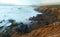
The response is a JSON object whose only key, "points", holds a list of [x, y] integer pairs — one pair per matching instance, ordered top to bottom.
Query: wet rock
{"points": [[46, 18], [23, 28]]}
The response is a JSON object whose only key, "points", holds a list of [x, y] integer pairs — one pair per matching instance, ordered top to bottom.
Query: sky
{"points": [[20, 2], [28, 2]]}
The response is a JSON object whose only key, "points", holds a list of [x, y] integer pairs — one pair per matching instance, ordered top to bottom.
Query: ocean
{"points": [[17, 13]]}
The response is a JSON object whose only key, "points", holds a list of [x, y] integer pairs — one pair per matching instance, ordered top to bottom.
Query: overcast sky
{"points": [[28, 2]]}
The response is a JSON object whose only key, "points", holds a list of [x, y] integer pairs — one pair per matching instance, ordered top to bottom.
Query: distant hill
{"points": [[43, 4]]}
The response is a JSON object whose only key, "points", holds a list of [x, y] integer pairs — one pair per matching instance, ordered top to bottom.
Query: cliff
{"points": [[45, 25], [48, 29], [52, 30]]}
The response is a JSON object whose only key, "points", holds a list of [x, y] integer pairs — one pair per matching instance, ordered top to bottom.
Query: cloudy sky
{"points": [[28, 2]]}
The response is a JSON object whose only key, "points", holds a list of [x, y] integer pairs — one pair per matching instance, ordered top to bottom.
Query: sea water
{"points": [[17, 13]]}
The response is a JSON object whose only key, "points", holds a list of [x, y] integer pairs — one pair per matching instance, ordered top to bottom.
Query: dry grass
{"points": [[51, 9], [52, 30]]}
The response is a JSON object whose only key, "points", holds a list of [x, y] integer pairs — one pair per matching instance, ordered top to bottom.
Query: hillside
{"points": [[54, 8], [47, 30], [52, 30]]}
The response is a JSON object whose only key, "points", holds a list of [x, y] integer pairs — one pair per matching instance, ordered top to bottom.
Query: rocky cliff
{"points": [[50, 19], [45, 25]]}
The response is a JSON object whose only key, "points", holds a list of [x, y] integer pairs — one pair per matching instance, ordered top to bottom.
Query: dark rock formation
{"points": [[43, 20]]}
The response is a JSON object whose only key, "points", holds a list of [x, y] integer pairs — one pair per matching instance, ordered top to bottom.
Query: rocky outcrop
{"points": [[44, 9], [43, 20], [45, 25], [52, 30]]}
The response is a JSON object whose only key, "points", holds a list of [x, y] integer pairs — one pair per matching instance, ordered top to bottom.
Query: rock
{"points": [[52, 30]]}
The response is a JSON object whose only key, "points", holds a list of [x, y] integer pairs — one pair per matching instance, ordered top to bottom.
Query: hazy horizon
{"points": [[29, 2]]}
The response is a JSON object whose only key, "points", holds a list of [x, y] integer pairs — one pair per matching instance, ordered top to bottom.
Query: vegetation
{"points": [[52, 30]]}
